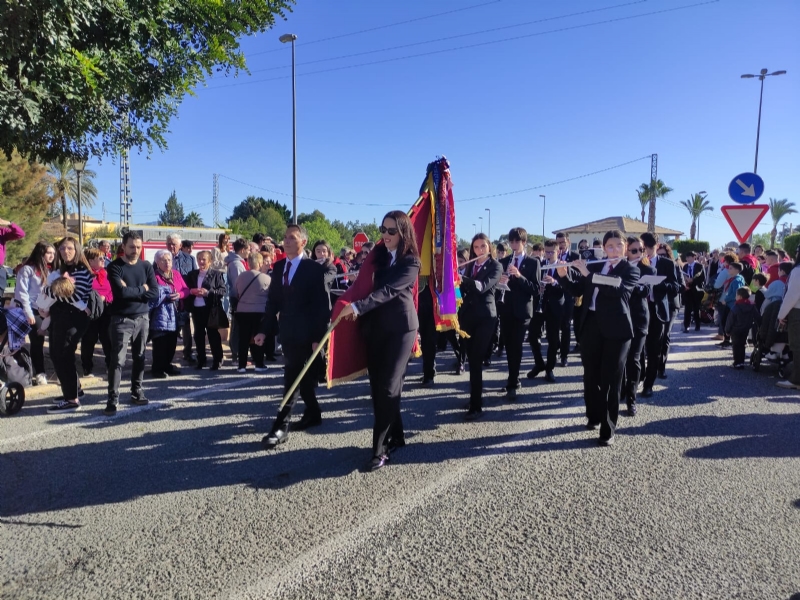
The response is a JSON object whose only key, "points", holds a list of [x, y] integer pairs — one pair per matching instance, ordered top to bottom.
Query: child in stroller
{"points": [[772, 344], [16, 370]]}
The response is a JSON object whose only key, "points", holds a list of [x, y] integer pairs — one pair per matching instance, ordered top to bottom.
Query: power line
{"points": [[342, 35], [452, 37], [476, 45]]}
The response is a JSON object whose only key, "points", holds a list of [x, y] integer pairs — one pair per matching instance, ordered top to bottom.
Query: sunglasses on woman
{"points": [[389, 230], [634, 250], [661, 254]]}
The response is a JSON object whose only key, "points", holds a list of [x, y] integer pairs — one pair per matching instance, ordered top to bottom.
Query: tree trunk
{"points": [[64, 212], [643, 219], [693, 230], [772, 235]]}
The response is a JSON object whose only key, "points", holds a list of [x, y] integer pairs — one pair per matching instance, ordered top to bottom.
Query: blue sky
{"points": [[510, 115]]}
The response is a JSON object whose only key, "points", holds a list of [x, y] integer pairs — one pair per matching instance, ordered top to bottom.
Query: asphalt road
{"points": [[699, 498]]}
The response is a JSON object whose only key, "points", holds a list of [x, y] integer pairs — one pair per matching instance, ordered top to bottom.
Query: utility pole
{"points": [[216, 199], [651, 217]]}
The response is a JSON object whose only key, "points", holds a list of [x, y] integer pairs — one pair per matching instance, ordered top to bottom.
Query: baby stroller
{"points": [[772, 345], [16, 370]]}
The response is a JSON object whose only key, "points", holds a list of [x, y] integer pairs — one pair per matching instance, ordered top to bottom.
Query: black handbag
{"points": [[217, 318]]}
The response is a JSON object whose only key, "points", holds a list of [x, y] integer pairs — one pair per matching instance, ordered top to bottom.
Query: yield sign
{"points": [[743, 218]]}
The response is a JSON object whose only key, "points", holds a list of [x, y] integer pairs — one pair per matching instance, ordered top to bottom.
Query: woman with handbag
{"points": [[207, 289], [252, 289], [165, 314]]}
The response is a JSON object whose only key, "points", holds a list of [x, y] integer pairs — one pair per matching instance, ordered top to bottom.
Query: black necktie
{"points": [[286, 273]]}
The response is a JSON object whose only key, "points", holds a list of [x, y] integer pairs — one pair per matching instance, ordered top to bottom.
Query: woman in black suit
{"points": [[206, 288], [478, 315], [640, 319], [389, 324], [606, 329]]}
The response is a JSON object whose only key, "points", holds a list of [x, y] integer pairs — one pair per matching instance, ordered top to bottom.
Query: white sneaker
{"points": [[771, 356], [241, 370], [40, 379], [787, 385]]}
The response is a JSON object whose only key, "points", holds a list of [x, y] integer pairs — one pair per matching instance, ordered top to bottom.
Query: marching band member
{"points": [[567, 255], [478, 315], [553, 316], [640, 318], [390, 326], [605, 328]]}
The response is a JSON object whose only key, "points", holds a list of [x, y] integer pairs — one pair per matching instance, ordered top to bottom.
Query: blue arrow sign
{"points": [[746, 188]]}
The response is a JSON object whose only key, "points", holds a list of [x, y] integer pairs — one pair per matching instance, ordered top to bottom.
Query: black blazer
{"points": [[697, 280], [214, 282], [666, 290], [554, 296], [675, 299], [519, 300], [304, 304], [479, 304], [612, 305], [390, 306], [640, 313]]}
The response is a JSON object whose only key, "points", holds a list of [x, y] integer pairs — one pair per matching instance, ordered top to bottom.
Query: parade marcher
{"points": [[664, 251], [565, 254], [521, 276], [30, 280], [695, 280], [133, 284], [252, 289], [206, 291], [298, 292], [165, 315], [478, 315], [552, 315], [69, 319], [640, 320], [389, 324], [98, 329], [606, 330]]}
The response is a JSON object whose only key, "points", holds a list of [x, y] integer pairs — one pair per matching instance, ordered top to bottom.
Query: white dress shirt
{"points": [[295, 262], [605, 271], [200, 300]]}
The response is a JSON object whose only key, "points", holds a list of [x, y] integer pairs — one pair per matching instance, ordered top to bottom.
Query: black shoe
{"points": [[697, 328], [685, 330], [725, 344], [499, 352], [270, 358], [190, 360], [487, 362], [563, 362], [201, 364], [215, 365], [460, 369], [172, 370], [534, 372], [662, 374], [158, 375], [550, 377], [427, 382], [647, 392], [511, 394], [61, 398], [138, 398], [631, 408], [110, 409], [473, 415], [306, 422], [592, 426], [275, 438], [606, 441], [393, 444], [378, 462]]}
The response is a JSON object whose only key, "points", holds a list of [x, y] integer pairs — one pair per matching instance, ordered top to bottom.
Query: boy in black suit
{"points": [[565, 254], [521, 275], [695, 279], [299, 292], [552, 312]]}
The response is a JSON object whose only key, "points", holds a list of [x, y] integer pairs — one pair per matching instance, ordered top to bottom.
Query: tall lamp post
{"points": [[286, 38], [763, 75], [78, 165], [544, 206], [489, 210], [698, 216], [481, 220], [474, 229]]}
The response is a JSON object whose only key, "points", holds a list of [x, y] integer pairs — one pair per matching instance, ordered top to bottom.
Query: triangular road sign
{"points": [[743, 219]]}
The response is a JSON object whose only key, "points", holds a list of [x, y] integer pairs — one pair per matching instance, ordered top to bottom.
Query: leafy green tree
{"points": [[82, 77], [62, 180], [643, 195], [24, 200], [253, 205], [696, 205], [778, 209], [172, 215], [303, 218], [193, 219], [269, 222], [321, 229], [371, 229], [763, 239]]}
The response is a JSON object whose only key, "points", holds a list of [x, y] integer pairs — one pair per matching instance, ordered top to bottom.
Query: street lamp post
{"points": [[286, 38], [763, 75], [78, 165], [544, 206], [489, 210], [698, 216], [481, 220], [474, 229]]}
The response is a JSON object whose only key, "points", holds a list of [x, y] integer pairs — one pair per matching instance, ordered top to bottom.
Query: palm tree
{"points": [[62, 182], [646, 191], [644, 198], [696, 205], [777, 210], [193, 220]]}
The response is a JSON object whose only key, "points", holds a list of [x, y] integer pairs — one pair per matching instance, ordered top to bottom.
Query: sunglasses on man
{"points": [[389, 230]]}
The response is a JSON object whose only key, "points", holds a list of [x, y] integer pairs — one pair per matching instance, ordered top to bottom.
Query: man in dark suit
{"points": [[565, 254], [521, 275], [693, 291], [299, 293], [659, 307], [674, 307], [551, 314], [640, 320]]}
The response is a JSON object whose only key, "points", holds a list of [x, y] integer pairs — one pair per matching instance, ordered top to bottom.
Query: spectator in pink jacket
{"points": [[8, 233], [99, 327]]}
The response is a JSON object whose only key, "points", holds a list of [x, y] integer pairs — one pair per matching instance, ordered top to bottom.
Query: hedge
{"points": [[790, 243], [683, 246]]}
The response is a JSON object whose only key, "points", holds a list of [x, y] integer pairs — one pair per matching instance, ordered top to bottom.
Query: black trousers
{"points": [[691, 308], [568, 311], [200, 320], [248, 325], [67, 326], [97, 329], [514, 331], [553, 331], [427, 333], [186, 334], [655, 338], [666, 340], [455, 342], [738, 342], [164, 344], [37, 346], [476, 346], [296, 356], [387, 359], [634, 364], [603, 368]]}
